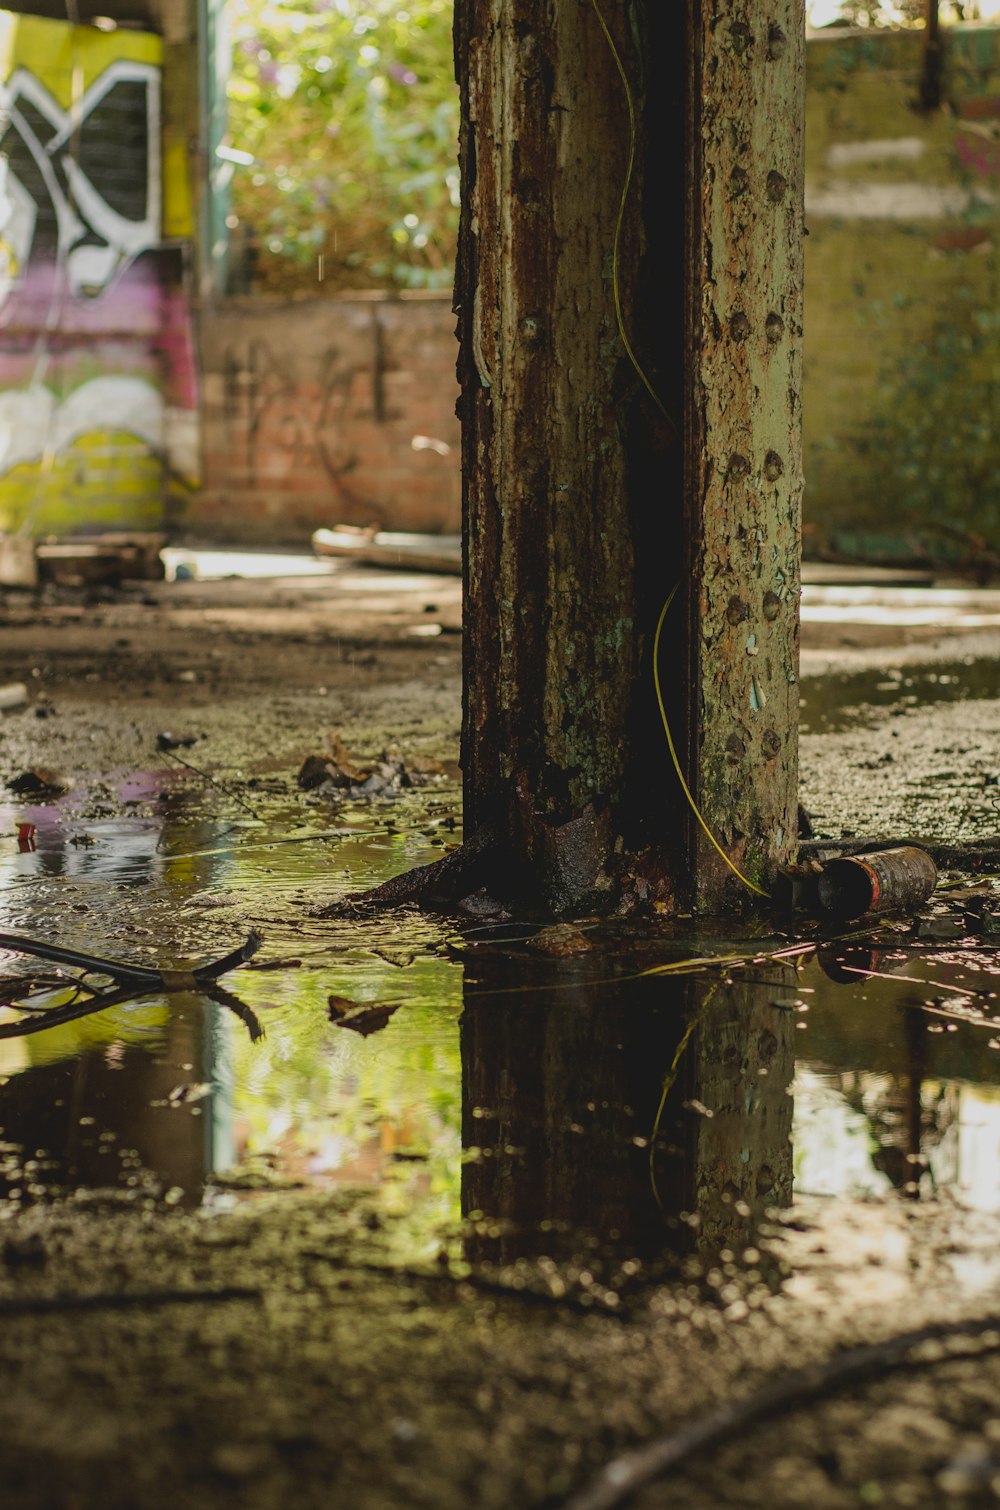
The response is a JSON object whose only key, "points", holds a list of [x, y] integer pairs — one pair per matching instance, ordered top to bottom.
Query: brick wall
{"points": [[311, 409], [322, 412]]}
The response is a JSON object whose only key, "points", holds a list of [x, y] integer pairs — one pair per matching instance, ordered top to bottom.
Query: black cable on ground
{"points": [[138, 976], [627, 1474]]}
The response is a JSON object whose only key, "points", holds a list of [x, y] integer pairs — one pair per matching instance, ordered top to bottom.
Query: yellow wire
{"points": [[615, 280], [616, 285], [750, 885], [769, 957], [676, 967], [668, 1082]]}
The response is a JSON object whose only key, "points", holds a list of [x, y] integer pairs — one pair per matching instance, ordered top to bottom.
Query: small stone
{"points": [[560, 940], [26, 1252], [237, 1460]]}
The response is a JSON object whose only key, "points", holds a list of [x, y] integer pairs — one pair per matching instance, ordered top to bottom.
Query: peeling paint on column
{"points": [[744, 449], [576, 513]]}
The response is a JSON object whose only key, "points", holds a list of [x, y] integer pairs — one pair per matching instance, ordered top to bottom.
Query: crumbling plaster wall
{"points": [[902, 313], [902, 339], [318, 411]]}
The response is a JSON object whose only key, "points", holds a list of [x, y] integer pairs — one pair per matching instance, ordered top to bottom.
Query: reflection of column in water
{"points": [[736, 1083], [560, 1088], [563, 1091], [83, 1112], [909, 1119], [220, 1135]]}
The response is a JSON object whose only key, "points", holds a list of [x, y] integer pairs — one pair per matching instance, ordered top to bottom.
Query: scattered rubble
{"points": [[338, 773]]}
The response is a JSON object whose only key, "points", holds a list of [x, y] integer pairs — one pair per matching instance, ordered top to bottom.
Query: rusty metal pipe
{"points": [[890, 880]]}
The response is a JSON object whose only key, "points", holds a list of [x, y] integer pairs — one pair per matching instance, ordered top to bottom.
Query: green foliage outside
{"points": [[891, 13], [349, 110]]}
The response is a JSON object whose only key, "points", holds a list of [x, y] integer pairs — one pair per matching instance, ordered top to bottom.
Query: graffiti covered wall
{"points": [[98, 394]]}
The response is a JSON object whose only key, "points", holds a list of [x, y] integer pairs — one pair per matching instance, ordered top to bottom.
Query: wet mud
{"points": [[418, 1211]]}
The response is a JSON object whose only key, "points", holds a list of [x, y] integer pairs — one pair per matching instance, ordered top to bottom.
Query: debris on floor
{"points": [[393, 550], [101, 559], [18, 567], [337, 772], [898, 879], [555, 1192]]}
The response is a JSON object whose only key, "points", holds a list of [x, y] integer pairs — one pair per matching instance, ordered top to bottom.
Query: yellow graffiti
{"points": [[68, 59], [178, 210], [10, 263], [107, 477]]}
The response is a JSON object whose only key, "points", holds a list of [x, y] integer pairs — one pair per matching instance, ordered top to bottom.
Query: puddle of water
{"points": [[857, 699], [511, 1103]]}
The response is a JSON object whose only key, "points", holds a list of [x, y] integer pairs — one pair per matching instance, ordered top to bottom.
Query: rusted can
{"points": [[890, 880], [847, 964]]}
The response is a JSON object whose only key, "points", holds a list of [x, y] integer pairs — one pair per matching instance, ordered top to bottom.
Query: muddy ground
{"points": [[264, 1355]]}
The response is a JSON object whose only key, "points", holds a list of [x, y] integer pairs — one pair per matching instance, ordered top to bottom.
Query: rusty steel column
{"points": [[630, 424], [743, 432], [552, 637]]}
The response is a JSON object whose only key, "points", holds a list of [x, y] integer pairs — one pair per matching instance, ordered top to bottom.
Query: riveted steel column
{"points": [[743, 422]]}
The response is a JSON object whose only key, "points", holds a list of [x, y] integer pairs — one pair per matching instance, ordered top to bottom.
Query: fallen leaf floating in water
{"points": [[398, 958], [360, 1017]]}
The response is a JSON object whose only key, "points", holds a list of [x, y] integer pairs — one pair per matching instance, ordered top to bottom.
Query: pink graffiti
{"points": [[978, 156]]}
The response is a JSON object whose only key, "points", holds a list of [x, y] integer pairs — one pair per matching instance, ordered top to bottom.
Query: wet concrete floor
{"points": [[676, 1125]]}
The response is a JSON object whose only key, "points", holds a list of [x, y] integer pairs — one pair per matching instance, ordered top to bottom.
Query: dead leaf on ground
{"points": [[342, 759], [333, 769], [421, 770], [313, 772], [39, 781], [360, 1017]]}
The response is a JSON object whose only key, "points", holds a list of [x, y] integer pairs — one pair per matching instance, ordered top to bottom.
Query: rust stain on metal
{"points": [[746, 119]]}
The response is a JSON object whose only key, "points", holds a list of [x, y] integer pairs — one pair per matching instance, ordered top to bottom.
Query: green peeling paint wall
{"points": [[902, 302]]}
